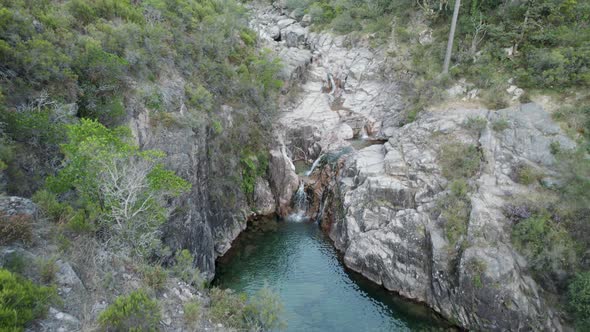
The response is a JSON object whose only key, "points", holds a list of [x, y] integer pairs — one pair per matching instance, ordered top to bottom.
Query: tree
{"points": [[451, 37], [125, 188]]}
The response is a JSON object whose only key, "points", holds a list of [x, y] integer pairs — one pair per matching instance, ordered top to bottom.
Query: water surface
{"points": [[298, 261]]}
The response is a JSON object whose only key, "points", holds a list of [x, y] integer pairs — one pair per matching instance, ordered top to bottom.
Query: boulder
{"points": [[264, 200], [13, 205]]}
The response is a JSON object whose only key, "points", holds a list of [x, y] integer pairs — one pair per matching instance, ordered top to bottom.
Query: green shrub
{"points": [[344, 23], [495, 98], [476, 124], [500, 125], [460, 160], [102, 166], [252, 167], [527, 175], [51, 207], [455, 208], [16, 228], [545, 243], [184, 269], [477, 269], [48, 270], [155, 277], [579, 300], [21, 301], [227, 307], [264, 310], [133, 312], [261, 312], [192, 313]]}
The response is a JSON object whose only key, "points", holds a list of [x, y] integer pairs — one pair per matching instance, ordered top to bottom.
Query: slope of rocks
{"points": [[379, 202]]}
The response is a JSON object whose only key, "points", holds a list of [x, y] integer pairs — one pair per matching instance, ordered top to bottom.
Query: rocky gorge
{"points": [[380, 203], [418, 207]]}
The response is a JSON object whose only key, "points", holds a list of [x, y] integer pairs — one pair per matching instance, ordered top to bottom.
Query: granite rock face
{"points": [[378, 202], [209, 217], [390, 231]]}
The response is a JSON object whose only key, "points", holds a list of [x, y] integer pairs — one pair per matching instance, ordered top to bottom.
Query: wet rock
{"points": [[283, 180], [263, 198]]}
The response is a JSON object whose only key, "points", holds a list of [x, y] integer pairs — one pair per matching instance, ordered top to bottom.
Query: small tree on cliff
{"points": [[121, 189]]}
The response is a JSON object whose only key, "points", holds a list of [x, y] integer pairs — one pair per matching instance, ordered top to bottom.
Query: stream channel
{"points": [[297, 260]]}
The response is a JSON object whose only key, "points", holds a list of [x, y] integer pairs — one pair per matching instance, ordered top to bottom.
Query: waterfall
{"points": [[363, 135], [314, 165], [300, 198], [300, 204]]}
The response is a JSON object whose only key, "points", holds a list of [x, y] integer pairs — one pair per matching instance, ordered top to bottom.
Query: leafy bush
{"points": [[495, 98], [476, 124], [500, 125], [460, 160], [252, 167], [526, 174], [131, 185], [51, 207], [455, 208], [15, 228], [545, 243], [184, 269], [477, 269], [47, 270], [155, 276], [579, 300], [21, 301], [227, 307], [133, 312], [262, 312], [192, 313]]}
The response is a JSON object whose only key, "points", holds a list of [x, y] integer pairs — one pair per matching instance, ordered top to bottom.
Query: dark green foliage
{"points": [[87, 52], [460, 160], [252, 167], [118, 188], [579, 300], [21, 301], [133, 312]]}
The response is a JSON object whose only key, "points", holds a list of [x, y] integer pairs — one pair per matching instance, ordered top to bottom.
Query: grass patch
{"points": [[459, 160]]}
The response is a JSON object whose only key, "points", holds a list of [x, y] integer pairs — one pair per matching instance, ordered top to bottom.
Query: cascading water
{"points": [[363, 134], [314, 165], [300, 204]]}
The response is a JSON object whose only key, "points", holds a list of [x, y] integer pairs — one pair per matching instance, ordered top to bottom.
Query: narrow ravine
{"points": [[298, 261]]}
